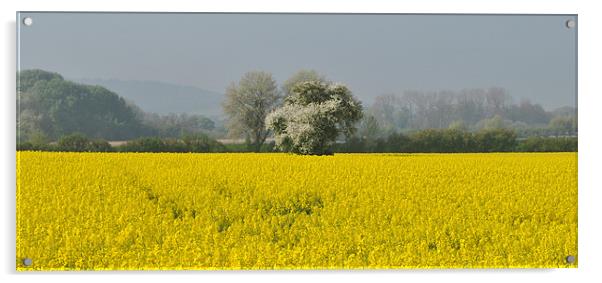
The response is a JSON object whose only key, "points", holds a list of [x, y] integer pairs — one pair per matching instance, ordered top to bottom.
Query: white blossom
{"points": [[308, 124]]}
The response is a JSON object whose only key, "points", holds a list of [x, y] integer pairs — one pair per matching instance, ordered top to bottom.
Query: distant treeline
{"points": [[50, 107], [470, 109], [425, 141], [457, 141], [80, 143]]}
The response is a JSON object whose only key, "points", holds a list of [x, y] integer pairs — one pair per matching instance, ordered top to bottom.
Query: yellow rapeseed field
{"points": [[278, 211]]}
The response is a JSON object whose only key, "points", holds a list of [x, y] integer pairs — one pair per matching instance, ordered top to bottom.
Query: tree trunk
{"points": [[258, 141]]}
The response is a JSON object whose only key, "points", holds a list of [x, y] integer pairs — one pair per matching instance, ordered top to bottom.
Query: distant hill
{"points": [[163, 98], [51, 107]]}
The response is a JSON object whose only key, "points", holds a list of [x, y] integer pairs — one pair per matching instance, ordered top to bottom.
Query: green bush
{"points": [[431, 140], [455, 140], [498, 140], [73, 142], [77, 142], [188, 143], [201, 143], [148, 144], [548, 144], [25, 146], [99, 146], [245, 147]]}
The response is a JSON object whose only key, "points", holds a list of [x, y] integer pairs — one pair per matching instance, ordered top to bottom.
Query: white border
{"points": [[590, 85]]}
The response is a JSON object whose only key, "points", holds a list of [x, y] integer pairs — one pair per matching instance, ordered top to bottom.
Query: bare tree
{"points": [[497, 100], [247, 104]]}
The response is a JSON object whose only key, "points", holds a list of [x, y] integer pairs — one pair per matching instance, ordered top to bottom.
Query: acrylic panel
{"points": [[193, 141]]}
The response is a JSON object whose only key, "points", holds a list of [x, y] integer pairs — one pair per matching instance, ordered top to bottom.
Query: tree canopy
{"points": [[301, 76], [247, 104], [51, 106], [313, 116]]}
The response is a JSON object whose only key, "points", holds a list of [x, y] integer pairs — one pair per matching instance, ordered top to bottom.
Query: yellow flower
{"points": [[279, 211]]}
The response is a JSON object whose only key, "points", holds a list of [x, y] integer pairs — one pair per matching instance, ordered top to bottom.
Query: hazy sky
{"points": [[533, 57]]}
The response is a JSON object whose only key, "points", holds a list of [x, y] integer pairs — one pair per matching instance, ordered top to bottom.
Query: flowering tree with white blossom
{"points": [[313, 116]]}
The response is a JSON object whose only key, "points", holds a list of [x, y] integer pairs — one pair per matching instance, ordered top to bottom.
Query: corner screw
{"points": [[28, 21], [570, 23], [570, 259], [27, 262]]}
